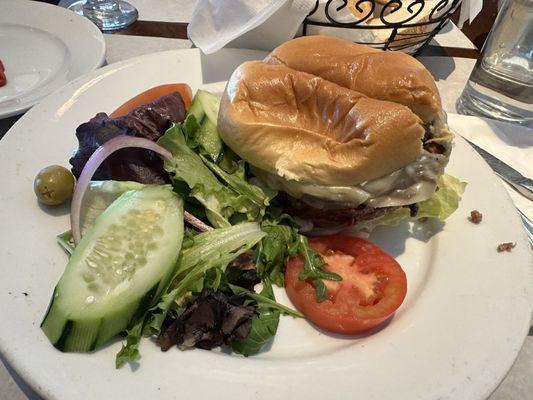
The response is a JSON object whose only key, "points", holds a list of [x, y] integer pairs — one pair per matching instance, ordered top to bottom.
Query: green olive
{"points": [[54, 185]]}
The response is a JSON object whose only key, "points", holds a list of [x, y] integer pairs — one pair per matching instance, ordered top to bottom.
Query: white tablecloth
{"points": [[449, 73]]}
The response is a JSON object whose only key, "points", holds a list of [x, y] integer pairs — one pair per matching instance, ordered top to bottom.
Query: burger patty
{"points": [[432, 146], [338, 216], [325, 218]]}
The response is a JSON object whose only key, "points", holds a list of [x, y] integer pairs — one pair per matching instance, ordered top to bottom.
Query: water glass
{"points": [[108, 15], [501, 84]]}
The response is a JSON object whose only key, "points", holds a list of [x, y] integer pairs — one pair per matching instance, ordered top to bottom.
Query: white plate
{"points": [[43, 47], [455, 337]]}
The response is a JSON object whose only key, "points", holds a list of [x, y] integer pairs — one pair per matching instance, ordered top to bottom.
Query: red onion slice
{"points": [[96, 159], [193, 221]]}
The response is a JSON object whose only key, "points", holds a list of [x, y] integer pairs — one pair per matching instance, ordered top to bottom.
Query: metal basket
{"points": [[385, 24]]}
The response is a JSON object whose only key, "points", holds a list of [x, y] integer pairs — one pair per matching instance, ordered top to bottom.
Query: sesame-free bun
{"points": [[383, 75], [309, 129]]}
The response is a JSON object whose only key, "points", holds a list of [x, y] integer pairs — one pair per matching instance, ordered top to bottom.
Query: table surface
{"points": [[161, 20]]}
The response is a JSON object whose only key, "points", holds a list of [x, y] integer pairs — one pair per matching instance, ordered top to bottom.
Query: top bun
{"points": [[383, 75], [308, 129]]}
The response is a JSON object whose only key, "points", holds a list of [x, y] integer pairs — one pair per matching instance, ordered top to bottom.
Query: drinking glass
{"points": [[108, 15], [501, 84]]}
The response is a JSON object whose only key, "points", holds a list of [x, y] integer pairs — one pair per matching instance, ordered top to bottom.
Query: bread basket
{"points": [[402, 25]]}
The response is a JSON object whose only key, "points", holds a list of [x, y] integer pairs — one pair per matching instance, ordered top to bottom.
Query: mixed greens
{"points": [[185, 287]]}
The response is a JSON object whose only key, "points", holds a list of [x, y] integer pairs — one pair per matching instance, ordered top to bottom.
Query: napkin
{"points": [[469, 10], [254, 24], [511, 143]]}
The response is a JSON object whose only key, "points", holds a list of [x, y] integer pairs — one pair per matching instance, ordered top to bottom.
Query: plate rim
{"points": [[84, 23]]}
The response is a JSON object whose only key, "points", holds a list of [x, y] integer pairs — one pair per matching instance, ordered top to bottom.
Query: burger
{"points": [[349, 135]]}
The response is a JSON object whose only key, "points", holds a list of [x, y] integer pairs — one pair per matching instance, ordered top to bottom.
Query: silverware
{"points": [[514, 178], [528, 225]]}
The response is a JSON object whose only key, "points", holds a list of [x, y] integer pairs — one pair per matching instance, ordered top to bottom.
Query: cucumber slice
{"points": [[205, 104], [210, 104], [205, 107], [196, 109], [208, 137], [99, 195], [118, 270]]}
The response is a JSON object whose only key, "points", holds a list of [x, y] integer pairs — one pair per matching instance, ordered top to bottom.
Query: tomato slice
{"points": [[152, 94], [373, 285]]}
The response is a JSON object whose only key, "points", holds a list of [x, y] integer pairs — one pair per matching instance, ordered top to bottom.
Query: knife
{"points": [[510, 175]]}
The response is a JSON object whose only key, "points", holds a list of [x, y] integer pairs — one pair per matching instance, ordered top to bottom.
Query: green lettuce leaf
{"points": [[186, 166], [237, 181], [445, 200], [225, 203], [441, 205], [205, 251], [202, 252], [153, 321], [130, 351]]}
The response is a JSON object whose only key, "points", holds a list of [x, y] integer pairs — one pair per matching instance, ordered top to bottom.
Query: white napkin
{"points": [[469, 10], [254, 24], [511, 143]]}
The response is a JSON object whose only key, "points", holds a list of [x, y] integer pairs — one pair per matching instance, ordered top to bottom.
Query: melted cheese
{"points": [[411, 184]]}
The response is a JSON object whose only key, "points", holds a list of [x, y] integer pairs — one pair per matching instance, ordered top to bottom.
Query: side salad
{"points": [[173, 237]]}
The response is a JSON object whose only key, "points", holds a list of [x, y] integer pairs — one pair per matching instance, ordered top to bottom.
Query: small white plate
{"points": [[42, 48], [457, 334]]}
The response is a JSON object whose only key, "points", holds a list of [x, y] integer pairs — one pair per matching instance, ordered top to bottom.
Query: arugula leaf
{"points": [[282, 241], [273, 249], [312, 269], [264, 300], [264, 326], [130, 351]]}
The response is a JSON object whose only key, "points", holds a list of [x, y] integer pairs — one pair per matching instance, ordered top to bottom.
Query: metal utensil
{"points": [[519, 182], [528, 225]]}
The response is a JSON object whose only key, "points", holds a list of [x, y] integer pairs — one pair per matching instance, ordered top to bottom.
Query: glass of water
{"points": [[108, 15], [501, 84]]}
